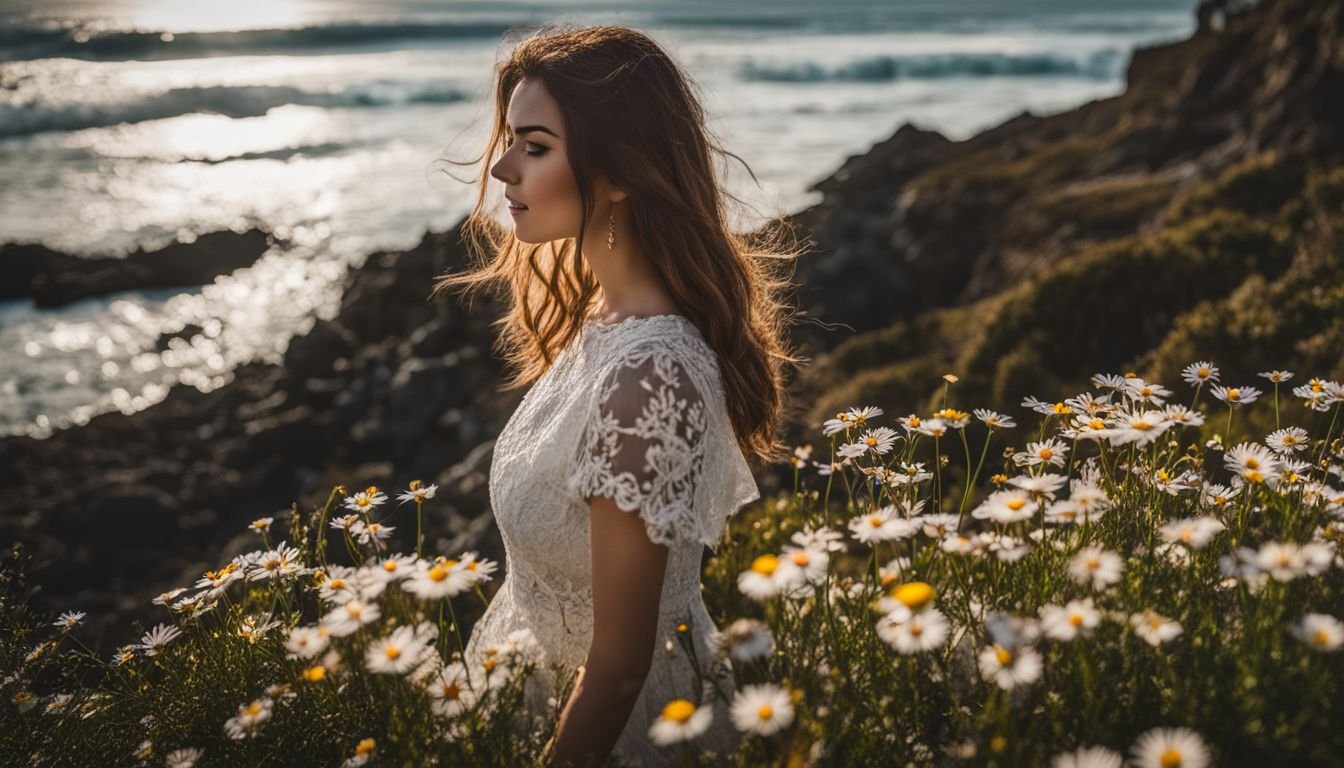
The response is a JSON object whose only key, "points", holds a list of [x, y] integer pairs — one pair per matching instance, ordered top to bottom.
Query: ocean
{"points": [[134, 124]]}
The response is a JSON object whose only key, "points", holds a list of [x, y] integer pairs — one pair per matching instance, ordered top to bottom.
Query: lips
{"points": [[514, 204]]}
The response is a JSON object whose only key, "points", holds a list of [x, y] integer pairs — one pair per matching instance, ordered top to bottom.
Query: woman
{"points": [[652, 338]]}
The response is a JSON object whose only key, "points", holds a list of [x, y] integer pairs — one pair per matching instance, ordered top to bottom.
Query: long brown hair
{"points": [[630, 113]]}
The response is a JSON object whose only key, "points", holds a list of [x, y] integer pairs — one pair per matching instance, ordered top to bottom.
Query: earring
{"points": [[611, 228]]}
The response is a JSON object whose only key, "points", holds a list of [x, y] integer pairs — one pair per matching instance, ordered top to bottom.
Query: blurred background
{"points": [[219, 225]]}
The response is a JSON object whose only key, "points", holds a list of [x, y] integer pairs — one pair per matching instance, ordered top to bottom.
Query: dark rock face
{"points": [[921, 222], [54, 278], [398, 387]]}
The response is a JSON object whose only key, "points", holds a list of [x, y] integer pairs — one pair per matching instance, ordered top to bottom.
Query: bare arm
{"points": [[627, 588]]}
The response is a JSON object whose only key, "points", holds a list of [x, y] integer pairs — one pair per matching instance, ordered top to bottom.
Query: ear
{"points": [[616, 194]]}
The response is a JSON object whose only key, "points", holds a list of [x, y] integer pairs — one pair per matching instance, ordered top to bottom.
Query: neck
{"points": [[630, 285]]}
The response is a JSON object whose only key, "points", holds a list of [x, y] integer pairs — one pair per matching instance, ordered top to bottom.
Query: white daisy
{"points": [[1200, 373], [1278, 377], [1141, 391], [1234, 396], [1179, 415], [994, 419], [1137, 427], [879, 440], [1287, 440], [1050, 451], [1253, 463], [418, 493], [1215, 495], [365, 501], [1086, 503], [1005, 506], [881, 525], [938, 526], [1193, 532], [371, 533], [822, 538], [1283, 561], [281, 562], [1096, 567], [768, 576], [439, 580], [349, 617], [1076, 618], [69, 619], [1154, 628], [1320, 631], [919, 632], [157, 638], [744, 640], [307, 642], [397, 653], [1009, 668], [451, 691], [762, 709], [249, 718], [679, 721], [1171, 748], [1088, 757], [183, 758]]}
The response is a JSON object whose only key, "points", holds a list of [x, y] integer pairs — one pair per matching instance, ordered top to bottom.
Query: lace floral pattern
{"points": [[634, 411]]}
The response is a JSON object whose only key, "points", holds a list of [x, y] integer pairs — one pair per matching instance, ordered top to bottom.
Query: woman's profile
{"points": [[653, 341]]}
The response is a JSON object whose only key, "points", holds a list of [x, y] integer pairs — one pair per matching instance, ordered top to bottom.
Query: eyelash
{"points": [[538, 152]]}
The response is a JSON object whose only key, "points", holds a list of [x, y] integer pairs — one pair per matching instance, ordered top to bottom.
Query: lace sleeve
{"points": [[644, 444]]}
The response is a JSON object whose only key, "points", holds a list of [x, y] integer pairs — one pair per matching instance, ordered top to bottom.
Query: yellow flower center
{"points": [[1203, 373], [1232, 394], [914, 421], [1096, 424], [1141, 425], [871, 441], [1046, 453], [1252, 462], [1254, 477], [1016, 504], [875, 520], [1186, 536], [801, 558], [1093, 563], [765, 564], [390, 565], [437, 573], [336, 583], [914, 595], [354, 610], [1076, 619], [916, 628], [1321, 637], [393, 652], [1003, 655], [314, 673], [254, 709], [678, 710], [765, 712], [365, 747], [1170, 759]]}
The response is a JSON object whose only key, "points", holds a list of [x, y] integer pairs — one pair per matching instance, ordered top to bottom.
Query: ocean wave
{"points": [[25, 43], [1105, 64], [228, 100]]}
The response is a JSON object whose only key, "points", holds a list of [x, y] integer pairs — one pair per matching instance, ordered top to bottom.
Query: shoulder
{"points": [[668, 346]]}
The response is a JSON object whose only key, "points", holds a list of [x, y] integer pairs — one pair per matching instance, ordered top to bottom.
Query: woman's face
{"points": [[535, 168]]}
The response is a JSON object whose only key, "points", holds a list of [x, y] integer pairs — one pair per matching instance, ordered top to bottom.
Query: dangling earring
{"points": [[611, 228]]}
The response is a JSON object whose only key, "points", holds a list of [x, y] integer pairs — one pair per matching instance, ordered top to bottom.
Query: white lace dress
{"points": [[633, 410]]}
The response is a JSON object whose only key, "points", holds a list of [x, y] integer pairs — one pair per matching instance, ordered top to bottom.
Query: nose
{"points": [[503, 171]]}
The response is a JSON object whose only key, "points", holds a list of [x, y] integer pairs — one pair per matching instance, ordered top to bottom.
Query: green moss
{"points": [[988, 170], [1106, 208]]}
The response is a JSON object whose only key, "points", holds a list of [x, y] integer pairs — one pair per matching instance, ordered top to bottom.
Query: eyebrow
{"points": [[531, 128]]}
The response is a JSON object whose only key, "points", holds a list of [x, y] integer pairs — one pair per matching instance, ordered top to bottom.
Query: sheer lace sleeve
{"points": [[644, 444]]}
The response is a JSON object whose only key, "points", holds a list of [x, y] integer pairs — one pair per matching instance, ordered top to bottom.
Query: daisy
{"points": [[1200, 373], [1278, 377], [1109, 381], [1140, 391], [1315, 394], [1236, 395], [1179, 415], [953, 418], [994, 419], [1138, 427], [933, 428], [1086, 428], [879, 440], [1287, 440], [856, 450], [1050, 451], [1252, 463], [911, 474], [1044, 484], [418, 493], [1215, 495], [366, 500], [1087, 502], [1004, 507], [881, 525], [938, 526], [1193, 532], [375, 533], [822, 538], [1282, 561], [811, 562], [278, 563], [393, 567], [1096, 567], [767, 577], [440, 580], [336, 585], [167, 597], [902, 599], [350, 617], [1076, 618], [69, 619], [255, 627], [1154, 628], [1320, 631], [916, 633], [157, 638], [744, 640], [307, 642], [396, 654], [1008, 668], [450, 691], [762, 709], [249, 718], [680, 720], [1168, 747], [363, 753], [1088, 757], [183, 758]]}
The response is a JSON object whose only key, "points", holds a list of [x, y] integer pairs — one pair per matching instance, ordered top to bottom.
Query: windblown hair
{"points": [[630, 114]]}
